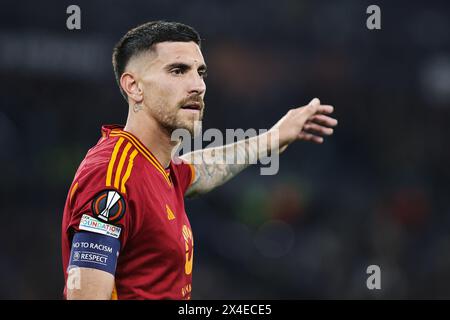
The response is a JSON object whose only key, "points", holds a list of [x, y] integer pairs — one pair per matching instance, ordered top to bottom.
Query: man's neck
{"points": [[153, 136]]}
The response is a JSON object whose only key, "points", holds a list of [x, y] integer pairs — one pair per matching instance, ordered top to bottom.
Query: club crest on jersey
{"points": [[108, 206]]}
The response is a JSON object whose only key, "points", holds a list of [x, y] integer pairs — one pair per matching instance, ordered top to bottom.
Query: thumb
{"points": [[314, 101], [312, 106]]}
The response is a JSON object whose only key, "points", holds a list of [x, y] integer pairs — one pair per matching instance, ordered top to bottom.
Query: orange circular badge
{"points": [[108, 206]]}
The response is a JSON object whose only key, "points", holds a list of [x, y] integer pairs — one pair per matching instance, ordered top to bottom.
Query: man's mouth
{"points": [[194, 106]]}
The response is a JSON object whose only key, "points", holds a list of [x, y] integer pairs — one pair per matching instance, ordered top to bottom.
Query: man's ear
{"points": [[131, 87]]}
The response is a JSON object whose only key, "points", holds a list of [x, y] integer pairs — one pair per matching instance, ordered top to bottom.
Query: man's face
{"points": [[172, 79]]}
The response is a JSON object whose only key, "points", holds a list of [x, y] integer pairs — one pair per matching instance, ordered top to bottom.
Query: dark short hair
{"points": [[143, 37]]}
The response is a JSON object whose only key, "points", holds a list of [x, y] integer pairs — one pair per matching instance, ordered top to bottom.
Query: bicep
{"points": [[210, 173], [207, 177], [89, 284]]}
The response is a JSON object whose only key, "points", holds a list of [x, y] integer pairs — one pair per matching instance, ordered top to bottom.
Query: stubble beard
{"points": [[171, 119]]}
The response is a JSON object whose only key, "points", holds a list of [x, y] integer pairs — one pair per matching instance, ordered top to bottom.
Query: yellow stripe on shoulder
{"points": [[145, 153], [112, 161], [120, 166], [128, 171]]}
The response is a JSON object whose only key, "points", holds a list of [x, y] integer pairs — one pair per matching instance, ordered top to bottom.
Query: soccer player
{"points": [[125, 233]]}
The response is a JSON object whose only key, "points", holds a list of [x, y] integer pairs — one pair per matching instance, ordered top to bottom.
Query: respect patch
{"points": [[88, 223], [93, 250]]}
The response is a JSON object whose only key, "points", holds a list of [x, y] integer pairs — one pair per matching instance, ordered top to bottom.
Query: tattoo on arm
{"points": [[215, 166]]}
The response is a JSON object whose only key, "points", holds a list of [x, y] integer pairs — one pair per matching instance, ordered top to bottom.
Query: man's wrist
{"points": [[276, 141]]}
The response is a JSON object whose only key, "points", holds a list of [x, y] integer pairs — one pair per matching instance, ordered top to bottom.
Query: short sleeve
{"points": [[185, 174], [99, 209]]}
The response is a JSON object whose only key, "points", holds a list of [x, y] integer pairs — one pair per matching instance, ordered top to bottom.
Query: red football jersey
{"points": [[156, 252]]}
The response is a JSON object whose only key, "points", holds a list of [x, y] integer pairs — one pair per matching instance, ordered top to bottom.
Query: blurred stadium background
{"points": [[377, 192]]}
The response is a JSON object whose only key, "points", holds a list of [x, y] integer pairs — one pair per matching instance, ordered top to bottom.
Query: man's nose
{"points": [[197, 85]]}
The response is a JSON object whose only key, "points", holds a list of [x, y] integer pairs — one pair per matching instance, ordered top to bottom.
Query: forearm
{"points": [[215, 166]]}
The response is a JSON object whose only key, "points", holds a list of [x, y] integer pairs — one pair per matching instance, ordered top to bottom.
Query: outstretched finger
{"points": [[325, 108], [323, 120], [318, 129], [310, 137]]}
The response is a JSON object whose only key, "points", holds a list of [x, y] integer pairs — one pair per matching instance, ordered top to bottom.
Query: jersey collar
{"points": [[117, 131]]}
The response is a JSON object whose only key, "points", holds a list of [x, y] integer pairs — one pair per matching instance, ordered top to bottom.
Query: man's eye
{"points": [[177, 71], [203, 74]]}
